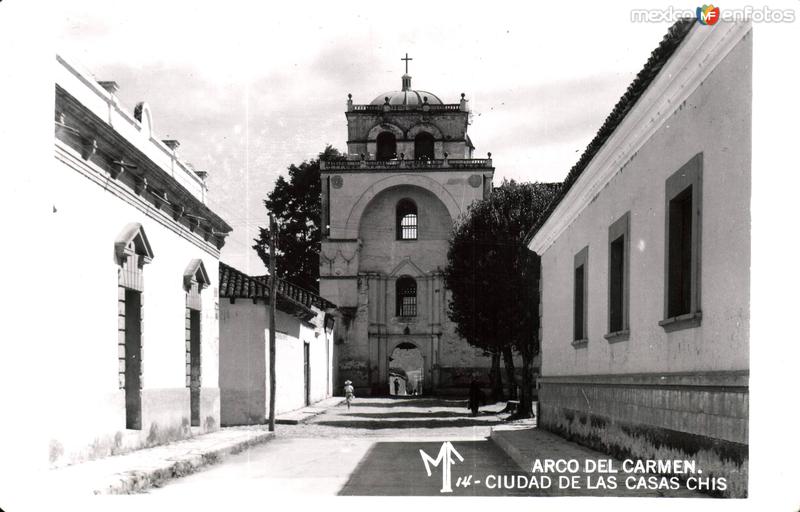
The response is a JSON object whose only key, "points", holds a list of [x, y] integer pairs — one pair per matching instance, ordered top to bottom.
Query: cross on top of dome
{"points": [[407, 58]]}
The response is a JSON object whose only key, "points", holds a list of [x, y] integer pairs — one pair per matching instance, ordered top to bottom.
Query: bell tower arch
{"points": [[387, 213]]}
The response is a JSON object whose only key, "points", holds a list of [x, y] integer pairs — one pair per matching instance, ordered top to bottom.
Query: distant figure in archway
{"points": [[396, 387]]}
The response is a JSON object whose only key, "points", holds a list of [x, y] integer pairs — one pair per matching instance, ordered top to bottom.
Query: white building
{"points": [[137, 251], [646, 265], [303, 343]]}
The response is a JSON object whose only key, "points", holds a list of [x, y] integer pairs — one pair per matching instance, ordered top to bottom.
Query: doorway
{"points": [[133, 359], [194, 366], [406, 370], [306, 373]]}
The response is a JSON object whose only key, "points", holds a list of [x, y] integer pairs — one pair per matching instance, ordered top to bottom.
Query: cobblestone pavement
{"points": [[398, 418], [374, 449]]}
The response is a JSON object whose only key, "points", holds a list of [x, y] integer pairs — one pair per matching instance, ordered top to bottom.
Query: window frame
{"points": [[689, 175], [400, 216], [621, 228], [581, 259], [399, 305]]}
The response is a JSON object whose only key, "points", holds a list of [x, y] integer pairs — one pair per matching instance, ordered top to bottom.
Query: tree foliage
{"points": [[296, 204], [492, 275]]}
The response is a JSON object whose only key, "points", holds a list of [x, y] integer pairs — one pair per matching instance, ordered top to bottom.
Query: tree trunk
{"points": [[496, 377], [511, 378], [526, 392]]}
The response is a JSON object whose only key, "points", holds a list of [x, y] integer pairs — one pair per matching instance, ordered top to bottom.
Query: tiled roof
{"points": [[657, 59], [234, 284], [298, 294]]}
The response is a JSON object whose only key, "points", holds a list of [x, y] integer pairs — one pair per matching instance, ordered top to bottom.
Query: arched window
{"points": [[387, 146], [423, 146], [406, 220], [406, 289]]}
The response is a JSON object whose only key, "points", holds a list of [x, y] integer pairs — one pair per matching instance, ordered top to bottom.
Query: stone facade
{"points": [[364, 255], [669, 377]]}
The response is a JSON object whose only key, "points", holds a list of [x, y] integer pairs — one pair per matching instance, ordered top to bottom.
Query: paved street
{"points": [[374, 449]]}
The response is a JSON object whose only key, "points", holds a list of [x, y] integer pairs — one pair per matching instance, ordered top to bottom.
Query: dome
{"points": [[407, 96]]}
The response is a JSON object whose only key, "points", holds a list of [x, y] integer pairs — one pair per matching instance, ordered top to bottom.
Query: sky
{"points": [[249, 89]]}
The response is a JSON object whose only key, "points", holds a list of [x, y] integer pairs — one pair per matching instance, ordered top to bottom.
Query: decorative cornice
{"points": [[694, 60], [112, 106], [65, 155], [115, 156]]}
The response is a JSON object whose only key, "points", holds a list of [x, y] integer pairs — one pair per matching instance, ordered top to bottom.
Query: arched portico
{"points": [[385, 127], [424, 127], [354, 218], [411, 357]]}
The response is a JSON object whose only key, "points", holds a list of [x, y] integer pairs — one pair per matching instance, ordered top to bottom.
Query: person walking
{"points": [[396, 387], [348, 393], [474, 396]]}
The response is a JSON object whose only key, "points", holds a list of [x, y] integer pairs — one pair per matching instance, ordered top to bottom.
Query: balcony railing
{"points": [[454, 107], [414, 165]]}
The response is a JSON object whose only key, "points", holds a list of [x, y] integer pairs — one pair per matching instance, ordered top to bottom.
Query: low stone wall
{"points": [[701, 416]]}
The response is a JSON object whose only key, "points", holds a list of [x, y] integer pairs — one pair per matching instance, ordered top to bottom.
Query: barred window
{"points": [[406, 220], [406, 297]]}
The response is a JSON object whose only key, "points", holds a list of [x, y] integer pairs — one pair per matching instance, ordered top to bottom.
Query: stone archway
{"points": [[353, 221], [406, 375]]}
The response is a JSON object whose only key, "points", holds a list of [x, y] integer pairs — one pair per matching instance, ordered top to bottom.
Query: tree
{"points": [[297, 206], [494, 278]]}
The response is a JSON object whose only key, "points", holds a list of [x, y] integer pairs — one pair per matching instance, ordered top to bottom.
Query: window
{"points": [[387, 146], [423, 146], [406, 220], [682, 246], [618, 275], [406, 289], [579, 315]]}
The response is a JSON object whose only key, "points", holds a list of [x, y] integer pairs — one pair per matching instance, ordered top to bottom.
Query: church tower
{"points": [[388, 209]]}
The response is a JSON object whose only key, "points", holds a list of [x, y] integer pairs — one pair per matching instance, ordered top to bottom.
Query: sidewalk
{"points": [[306, 413], [525, 444], [151, 467]]}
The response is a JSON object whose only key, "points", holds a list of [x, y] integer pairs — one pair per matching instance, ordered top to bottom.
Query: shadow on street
{"points": [[391, 402], [410, 414], [418, 423], [396, 469]]}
